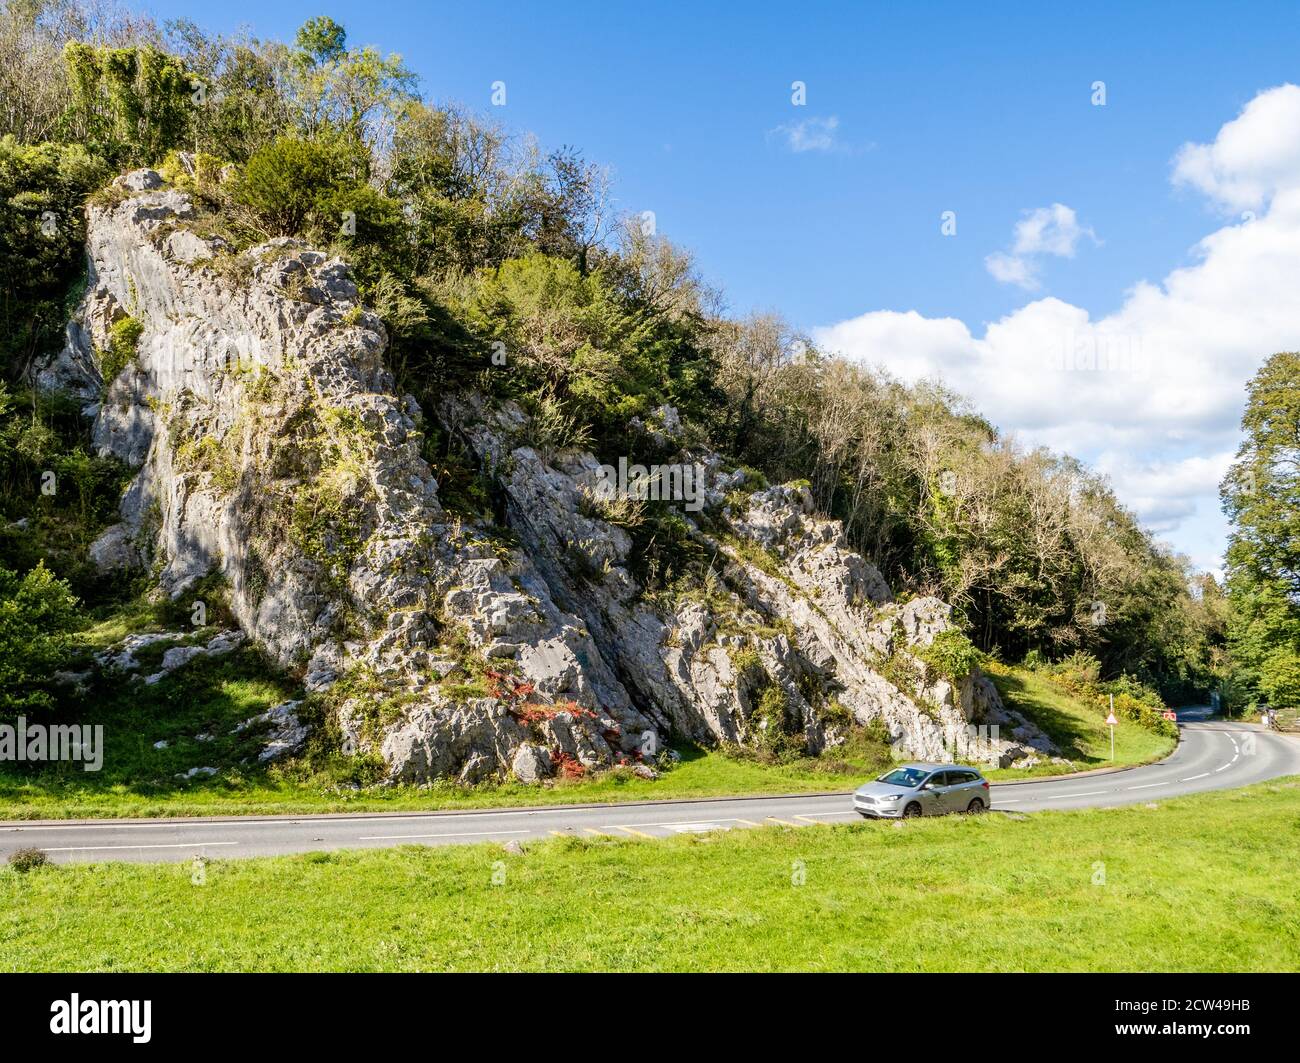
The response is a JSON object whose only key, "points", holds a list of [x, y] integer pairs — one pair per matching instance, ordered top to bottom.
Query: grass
{"points": [[211, 696], [1076, 727], [1201, 883]]}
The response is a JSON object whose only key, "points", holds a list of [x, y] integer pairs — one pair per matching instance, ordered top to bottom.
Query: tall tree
{"points": [[1261, 495]]}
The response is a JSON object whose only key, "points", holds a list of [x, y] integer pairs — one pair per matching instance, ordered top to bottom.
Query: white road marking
{"points": [[1224, 768], [1193, 778], [1144, 786], [1063, 797], [800, 815], [679, 822], [694, 828], [399, 837], [105, 848]]}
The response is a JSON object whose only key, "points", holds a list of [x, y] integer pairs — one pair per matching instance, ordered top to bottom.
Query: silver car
{"points": [[923, 790]]}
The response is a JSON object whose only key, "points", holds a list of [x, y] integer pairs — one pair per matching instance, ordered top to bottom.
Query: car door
{"points": [[961, 788], [932, 798]]}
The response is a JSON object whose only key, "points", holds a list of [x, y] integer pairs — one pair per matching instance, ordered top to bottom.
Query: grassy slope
{"points": [[212, 696], [1077, 728], [968, 893]]}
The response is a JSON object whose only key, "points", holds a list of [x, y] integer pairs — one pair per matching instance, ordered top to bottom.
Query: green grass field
{"points": [[208, 697], [1202, 883]]}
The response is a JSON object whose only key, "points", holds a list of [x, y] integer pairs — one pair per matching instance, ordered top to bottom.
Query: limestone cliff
{"points": [[271, 447]]}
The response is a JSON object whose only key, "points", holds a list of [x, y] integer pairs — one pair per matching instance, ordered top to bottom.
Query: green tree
{"points": [[353, 91], [134, 104], [290, 184], [1261, 495]]}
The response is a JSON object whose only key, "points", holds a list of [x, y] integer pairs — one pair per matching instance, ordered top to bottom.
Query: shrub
{"points": [[290, 183], [123, 342], [38, 615], [951, 654], [1035, 660], [24, 860]]}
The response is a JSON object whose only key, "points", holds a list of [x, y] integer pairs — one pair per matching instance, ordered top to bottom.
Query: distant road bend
{"points": [[1212, 755]]}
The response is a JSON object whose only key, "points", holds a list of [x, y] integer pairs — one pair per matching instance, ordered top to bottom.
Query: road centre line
{"points": [[1193, 778], [1066, 797], [399, 837], [105, 848]]}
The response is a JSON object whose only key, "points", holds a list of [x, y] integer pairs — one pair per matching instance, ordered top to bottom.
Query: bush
{"points": [[291, 183], [123, 340], [38, 615], [951, 654], [1035, 660], [1080, 674], [24, 860]]}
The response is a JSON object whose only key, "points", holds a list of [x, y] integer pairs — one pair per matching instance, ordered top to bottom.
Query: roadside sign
{"points": [[1173, 716], [1111, 722]]}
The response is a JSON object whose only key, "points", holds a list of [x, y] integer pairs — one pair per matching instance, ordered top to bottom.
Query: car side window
{"points": [[964, 777], [939, 778]]}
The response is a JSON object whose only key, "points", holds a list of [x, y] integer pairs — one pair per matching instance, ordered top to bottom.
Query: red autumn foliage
{"points": [[567, 765]]}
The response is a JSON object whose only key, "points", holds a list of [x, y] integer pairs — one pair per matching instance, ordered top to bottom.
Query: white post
{"points": [[1112, 728]]}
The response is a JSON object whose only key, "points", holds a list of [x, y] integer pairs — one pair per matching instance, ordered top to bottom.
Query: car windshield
{"points": [[909, 777]]}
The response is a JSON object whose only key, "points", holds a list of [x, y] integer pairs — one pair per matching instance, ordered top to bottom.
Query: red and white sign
{"points": [[1170, 715], [1111, 721]]}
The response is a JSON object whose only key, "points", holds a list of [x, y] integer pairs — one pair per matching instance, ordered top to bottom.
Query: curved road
{"points": [[1211, 756]]}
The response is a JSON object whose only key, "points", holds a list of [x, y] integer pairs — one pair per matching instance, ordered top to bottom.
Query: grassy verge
{"points": [[208, 697], [1076, 727], [1069, 891]]}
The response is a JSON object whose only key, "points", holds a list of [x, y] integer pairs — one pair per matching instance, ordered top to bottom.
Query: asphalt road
{"points": [[1211, 756]]}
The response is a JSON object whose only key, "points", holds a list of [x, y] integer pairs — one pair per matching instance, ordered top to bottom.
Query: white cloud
{"points": [[811, 134], [1255, 156], [1053, 230], [1012, 269], [1152, 393], [1163, 493]]}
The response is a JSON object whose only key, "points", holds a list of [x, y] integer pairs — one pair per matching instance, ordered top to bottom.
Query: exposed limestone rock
{"points": [[271, 448], [791, 608], [179, 656], [285, 732]]}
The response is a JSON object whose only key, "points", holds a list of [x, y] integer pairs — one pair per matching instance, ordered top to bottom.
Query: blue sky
{"points": [[913, 110]]}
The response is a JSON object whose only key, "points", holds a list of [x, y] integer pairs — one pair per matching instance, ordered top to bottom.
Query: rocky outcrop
{"points": [[272, 448], [791, 635]]}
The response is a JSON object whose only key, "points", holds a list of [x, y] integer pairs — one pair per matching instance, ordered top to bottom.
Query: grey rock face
{"points": [[272, 448], [791, 609], [285, 734]]}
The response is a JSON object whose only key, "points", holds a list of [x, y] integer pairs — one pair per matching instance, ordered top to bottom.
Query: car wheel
{"points": [[975, 807], [911, 810]]}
